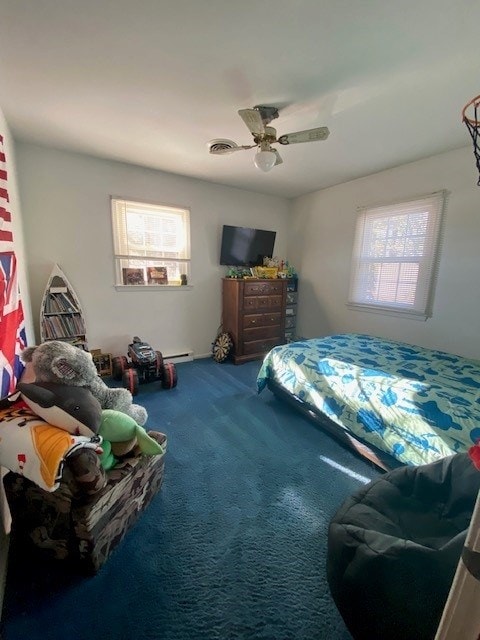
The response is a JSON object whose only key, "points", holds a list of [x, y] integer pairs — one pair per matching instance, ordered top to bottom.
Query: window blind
{"points": [[395, 255]]}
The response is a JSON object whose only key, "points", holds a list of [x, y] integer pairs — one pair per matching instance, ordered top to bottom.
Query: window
{"points": [[151, 243], [395, 256]]}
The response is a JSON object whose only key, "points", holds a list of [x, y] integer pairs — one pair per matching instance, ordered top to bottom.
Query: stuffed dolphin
{"points": [[74, 409]]}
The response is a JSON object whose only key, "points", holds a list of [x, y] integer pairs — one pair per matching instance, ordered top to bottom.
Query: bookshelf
{"points": [[61, 316]]}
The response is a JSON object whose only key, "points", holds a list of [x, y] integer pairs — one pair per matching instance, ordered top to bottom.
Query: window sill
{"points": [[153, 287], [397, 313]]}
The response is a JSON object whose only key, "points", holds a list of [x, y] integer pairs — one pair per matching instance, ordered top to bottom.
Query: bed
{"points": [[395, 403]]}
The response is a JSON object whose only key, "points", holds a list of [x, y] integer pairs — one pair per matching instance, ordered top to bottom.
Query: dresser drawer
{"points": [[263, 288], [262, 302], [261, 319], [262, 333], [261, 346]]}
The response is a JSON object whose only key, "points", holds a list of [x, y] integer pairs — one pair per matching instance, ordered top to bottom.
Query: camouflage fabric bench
{"points": [[84, 530]]}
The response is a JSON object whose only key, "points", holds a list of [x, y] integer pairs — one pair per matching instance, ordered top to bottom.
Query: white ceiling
{"points": [[150, 82]]}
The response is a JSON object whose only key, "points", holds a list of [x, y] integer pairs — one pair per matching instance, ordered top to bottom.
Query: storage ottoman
{"points": [[83, 530]]}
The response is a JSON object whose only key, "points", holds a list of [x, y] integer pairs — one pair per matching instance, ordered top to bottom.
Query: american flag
{"points": [[12, 325]]}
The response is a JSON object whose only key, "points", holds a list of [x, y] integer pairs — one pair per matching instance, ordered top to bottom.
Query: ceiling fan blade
{"points": [[253, 120], [309, 135], [279, 157]]}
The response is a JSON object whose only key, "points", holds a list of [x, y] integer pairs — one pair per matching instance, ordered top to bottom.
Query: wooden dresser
{"points": [[254, 315]]}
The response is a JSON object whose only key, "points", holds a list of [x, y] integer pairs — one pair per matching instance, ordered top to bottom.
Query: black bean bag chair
{"points": [[394, 545]]}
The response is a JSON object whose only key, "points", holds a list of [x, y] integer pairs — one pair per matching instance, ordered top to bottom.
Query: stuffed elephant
{"points": [[62, 363]]}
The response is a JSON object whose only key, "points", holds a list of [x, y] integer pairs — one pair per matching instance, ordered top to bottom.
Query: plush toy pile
{"points": [[61, 362], [69, 416]]}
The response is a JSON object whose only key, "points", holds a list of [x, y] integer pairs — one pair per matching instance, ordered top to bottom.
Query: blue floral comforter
{"points": [[416, 404]]}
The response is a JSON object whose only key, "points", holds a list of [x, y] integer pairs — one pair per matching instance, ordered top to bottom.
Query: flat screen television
{"points": [[245, 247]]}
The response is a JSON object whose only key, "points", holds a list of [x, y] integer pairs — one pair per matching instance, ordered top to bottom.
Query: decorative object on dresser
{"points": [[61, 316], [254, 316]]}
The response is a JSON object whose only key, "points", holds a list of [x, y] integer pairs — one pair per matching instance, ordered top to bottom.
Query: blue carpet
{"points": [[234, 544]]}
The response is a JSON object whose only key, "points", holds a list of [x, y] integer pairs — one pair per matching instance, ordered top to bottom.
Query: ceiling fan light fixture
{"points": [[265, 160]]}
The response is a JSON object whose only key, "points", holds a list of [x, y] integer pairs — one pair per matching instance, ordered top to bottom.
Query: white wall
{"points": [[65, 203], [66, 207], [321, 239]]}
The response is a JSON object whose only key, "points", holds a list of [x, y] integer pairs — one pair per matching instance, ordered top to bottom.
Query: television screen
{"points": [[245, 247]]}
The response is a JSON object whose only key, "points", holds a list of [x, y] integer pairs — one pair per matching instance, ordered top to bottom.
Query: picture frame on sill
{"points": [[157, 275], [133, 276]]}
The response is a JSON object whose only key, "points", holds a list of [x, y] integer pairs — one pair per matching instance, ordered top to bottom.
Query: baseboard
{"points": [[182, 356]]}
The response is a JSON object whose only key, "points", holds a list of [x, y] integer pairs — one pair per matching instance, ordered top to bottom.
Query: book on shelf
{"points": [[157, 275], [60, 303], [63, 326], [76, 341]]}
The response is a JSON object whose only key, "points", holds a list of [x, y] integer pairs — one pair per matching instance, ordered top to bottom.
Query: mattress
{"points": [[417, 405]]}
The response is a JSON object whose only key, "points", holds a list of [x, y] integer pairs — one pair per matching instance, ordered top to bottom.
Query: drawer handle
{"points": [[253, 321]]}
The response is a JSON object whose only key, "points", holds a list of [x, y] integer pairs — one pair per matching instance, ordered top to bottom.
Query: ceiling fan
{"points": [[257, 120]]}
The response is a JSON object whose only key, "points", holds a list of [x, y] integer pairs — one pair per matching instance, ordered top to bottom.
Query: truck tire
{"points": [[119, 365], [159, 365], [169, 376], [130, 380]]}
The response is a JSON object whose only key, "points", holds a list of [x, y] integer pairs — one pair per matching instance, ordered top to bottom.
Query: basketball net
{"points": [[473, 126]]}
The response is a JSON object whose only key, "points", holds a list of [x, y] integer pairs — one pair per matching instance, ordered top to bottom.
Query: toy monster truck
{"points": [[143, 364]]}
